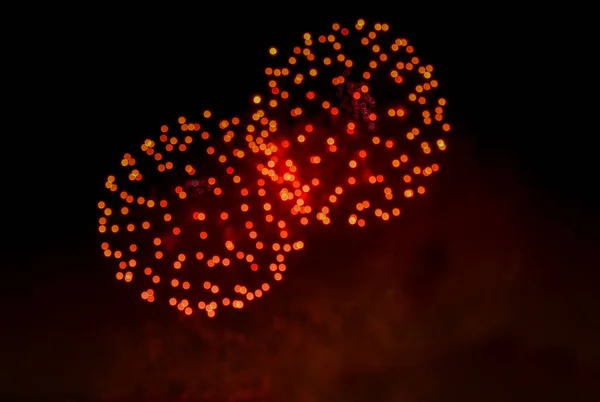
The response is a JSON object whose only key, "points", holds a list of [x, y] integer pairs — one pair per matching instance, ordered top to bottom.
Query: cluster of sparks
{"points": [[208, 214]]}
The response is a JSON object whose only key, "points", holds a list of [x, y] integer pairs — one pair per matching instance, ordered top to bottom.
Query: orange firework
{"points": [[359, 119], [207, 213], [186, 217]]}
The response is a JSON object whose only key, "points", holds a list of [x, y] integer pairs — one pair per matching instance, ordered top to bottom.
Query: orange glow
{"points": [[240, 194]]}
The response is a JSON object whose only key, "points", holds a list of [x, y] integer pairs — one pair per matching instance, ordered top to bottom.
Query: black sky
{"points": [[505, 311]]}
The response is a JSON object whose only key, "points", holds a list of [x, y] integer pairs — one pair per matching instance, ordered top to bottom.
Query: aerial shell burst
{"points": [[359, 118], [348, 129], [186, 216]]}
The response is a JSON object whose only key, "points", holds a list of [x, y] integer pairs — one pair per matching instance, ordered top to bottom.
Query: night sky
{"points": [[483, 291]]}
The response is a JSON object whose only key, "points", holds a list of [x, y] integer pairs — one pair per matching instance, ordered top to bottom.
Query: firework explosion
{"points": [[207, 214]]}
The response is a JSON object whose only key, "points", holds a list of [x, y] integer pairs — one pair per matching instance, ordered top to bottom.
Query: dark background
{"points": [[484, 291]]}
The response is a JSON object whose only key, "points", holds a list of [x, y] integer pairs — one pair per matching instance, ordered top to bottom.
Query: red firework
{"points": [[350, 126]]}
